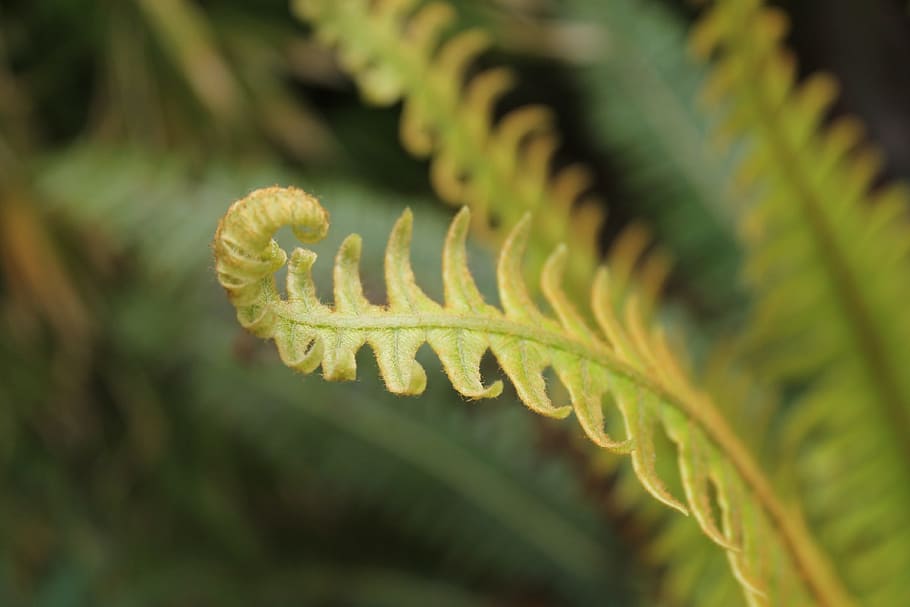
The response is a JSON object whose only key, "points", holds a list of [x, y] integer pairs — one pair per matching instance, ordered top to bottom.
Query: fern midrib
{"points": [[859, 320], [794, 536]]}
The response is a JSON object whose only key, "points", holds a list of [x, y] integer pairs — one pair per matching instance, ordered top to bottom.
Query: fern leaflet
{"points": [[769, 549]]}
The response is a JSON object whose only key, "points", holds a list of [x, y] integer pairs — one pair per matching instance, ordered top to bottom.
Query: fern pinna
{"points": [[829, 261], [769, 549]]}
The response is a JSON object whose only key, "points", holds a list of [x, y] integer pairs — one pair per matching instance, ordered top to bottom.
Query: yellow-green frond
{"points": [[398, 50], [828, 259], [623, 362]]}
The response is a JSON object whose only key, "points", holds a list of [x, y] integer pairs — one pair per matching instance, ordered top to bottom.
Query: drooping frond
{"points": [[396, 50], [829, 261], [624, 362]]}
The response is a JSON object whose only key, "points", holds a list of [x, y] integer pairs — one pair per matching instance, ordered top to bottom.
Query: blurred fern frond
{"points": [[398, 51], [828, 258], [770, 550]]}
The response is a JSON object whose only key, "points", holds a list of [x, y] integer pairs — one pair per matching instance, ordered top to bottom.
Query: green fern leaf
{"points": [[829, 260], [769, 549]]}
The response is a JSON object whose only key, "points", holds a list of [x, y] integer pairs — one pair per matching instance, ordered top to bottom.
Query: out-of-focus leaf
{"points": [[641, 89]]}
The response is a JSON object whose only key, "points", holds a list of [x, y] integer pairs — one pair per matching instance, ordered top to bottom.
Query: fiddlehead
{"points": [[247, 257], [624, 362]]}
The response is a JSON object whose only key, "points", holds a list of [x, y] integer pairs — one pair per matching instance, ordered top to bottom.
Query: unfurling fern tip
{"points": [[623, 363]]}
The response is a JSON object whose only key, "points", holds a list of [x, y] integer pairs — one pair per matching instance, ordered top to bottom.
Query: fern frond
{"points": [[396, 50], [829, 260], [455, 490], [769, 549]]}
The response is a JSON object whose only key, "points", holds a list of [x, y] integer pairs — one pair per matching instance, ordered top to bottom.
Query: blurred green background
{"points": [[153, 454]]}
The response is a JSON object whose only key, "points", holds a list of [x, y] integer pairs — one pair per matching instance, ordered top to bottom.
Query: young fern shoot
{"points": [[770, 551]]}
